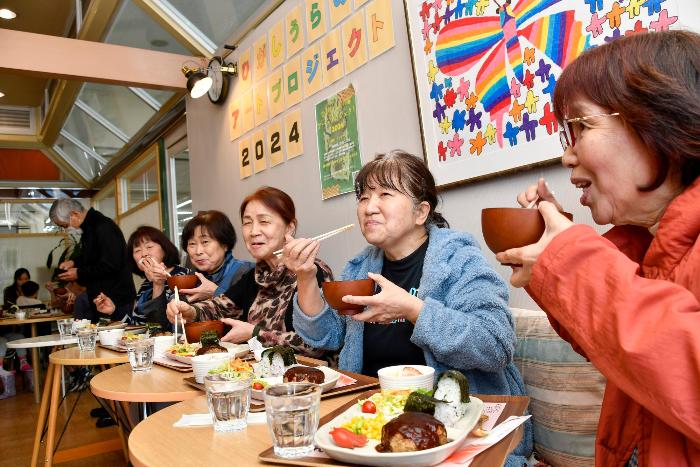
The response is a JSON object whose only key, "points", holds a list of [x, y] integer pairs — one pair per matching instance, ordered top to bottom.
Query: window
{"points": [[139, 182]]}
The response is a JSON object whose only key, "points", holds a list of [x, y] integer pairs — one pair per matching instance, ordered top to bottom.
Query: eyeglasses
{"points": [[567, 136]]}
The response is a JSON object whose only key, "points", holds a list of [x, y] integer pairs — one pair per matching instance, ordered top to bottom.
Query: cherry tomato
{"points": [[258, 386], [369, 407], [347, 439]]}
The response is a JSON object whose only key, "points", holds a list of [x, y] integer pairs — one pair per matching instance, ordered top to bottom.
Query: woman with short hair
{"points": [[209, 239], [629, 300]]}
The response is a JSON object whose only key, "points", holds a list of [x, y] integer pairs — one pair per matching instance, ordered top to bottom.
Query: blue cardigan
{"points": [[465, 322]]}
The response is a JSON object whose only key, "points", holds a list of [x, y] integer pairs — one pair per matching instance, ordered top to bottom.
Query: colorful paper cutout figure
{"points": [[339, 10], [315, 19], [380, 24], [294, 31], [354, 42], [464, 42], [276, 45], [260, 57], [332, 57], [245, 71], [312, 71], [292, 82], [275, 92], [260, 108], [247, 118], [235, 119], [294, 136], [275, 143], [258, 149], [245, 161]]}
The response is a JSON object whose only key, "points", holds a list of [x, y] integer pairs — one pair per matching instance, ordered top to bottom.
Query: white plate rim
{"points": [[368, 455]]}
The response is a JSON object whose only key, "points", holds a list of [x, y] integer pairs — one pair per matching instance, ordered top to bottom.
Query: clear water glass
{"points": [[65, 327], [87, 337], [140, 354], [228, 401], [292, 416]]}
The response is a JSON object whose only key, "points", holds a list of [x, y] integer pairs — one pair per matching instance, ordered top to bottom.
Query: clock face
{"points": [[219, 87]]}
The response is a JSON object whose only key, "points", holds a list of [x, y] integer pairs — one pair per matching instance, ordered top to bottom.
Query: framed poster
{"points": [[485, 73], [338, 143]]}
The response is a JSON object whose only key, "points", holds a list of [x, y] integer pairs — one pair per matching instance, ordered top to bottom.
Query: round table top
{"points": [[38, 319], [42, 341], [100, 356], [158, 385], [156, 442]]}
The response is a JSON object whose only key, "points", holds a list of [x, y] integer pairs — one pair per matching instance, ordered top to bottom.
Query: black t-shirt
{"points": [[390, 344]]}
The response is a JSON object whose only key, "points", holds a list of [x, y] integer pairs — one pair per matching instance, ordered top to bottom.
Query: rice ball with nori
{"points": [[275, 360], [452, 389]]}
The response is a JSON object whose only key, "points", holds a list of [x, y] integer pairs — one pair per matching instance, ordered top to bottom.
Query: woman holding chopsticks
{"points": [[154, 257], [439, 302], [259, 304]]}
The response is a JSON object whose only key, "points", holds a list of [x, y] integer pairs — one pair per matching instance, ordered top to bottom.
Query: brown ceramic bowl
{"points": [[506, 228], [182, 282], [336, 290], [60, 291], [193, 331]]}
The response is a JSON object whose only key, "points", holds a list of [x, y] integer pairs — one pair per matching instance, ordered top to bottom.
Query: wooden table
{"points": [[36, 367], [158, 385], [49, 402], [155, 442]]}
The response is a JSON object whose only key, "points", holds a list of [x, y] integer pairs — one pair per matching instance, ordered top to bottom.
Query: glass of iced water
{"points": [[65, 327], [87, 337], [140, 354], [228, 401], [292, 416]]}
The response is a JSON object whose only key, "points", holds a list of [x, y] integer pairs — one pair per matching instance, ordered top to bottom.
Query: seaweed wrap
{"points": [[452, 390]]}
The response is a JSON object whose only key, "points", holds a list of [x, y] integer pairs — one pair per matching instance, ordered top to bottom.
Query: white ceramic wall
{"points": [[388, 119]]}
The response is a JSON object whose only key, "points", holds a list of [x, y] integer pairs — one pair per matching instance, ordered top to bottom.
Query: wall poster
{"points": [[485, 72], [338, 143]]}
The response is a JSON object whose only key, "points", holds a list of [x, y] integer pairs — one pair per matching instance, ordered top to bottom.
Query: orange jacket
{"points": [[630, 303]]}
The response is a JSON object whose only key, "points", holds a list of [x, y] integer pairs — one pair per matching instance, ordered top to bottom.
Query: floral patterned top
{"points": [[263, 296]]}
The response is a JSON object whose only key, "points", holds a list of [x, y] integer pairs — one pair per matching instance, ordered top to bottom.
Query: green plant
{"points": [[70, 244]]}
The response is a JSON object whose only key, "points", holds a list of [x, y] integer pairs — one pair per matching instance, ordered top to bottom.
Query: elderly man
{"points": [[103, 264]]}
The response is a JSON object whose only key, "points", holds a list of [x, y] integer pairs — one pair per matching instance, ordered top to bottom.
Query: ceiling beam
{"points": [[96, 22], [179, 27], [90, 61], [20, 142]]}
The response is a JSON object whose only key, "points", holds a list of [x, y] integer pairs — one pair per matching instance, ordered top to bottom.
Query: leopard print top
{"points": [[271, 307]]}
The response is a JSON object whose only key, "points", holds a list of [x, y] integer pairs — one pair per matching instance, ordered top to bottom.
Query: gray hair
{"points": [[61, 209]]}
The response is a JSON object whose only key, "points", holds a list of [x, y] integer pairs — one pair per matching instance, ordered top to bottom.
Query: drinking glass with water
{"points": [[65, 327], [87, 337], [140, 354], [228, 401], [292, 415]]}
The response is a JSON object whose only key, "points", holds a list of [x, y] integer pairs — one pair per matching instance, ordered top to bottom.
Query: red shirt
{"points": [[630, 303]]}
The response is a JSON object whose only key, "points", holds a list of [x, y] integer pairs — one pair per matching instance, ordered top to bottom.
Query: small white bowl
{"points": [[21, 314], [110, 336], [162, 343], [201, 364], [390, 377]]}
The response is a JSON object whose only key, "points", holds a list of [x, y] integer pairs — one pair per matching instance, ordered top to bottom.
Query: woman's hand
{"points": [[542, 190], [299, 255], [523, 259], [66, 265], [155, 272], [70, 275], [204, 291], [104, 304], [390, 304], [181, 308], [240, 331]]}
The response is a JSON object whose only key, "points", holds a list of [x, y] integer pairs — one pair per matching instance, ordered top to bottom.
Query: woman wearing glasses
{"points": [[630, 300]]}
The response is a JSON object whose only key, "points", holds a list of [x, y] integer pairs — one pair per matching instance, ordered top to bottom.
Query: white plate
{"points": [[112, 326], [234, 350], [331, 378], [368, 455]]}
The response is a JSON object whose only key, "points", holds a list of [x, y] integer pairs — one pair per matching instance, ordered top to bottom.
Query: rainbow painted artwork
{"points": [[486, 72]]}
